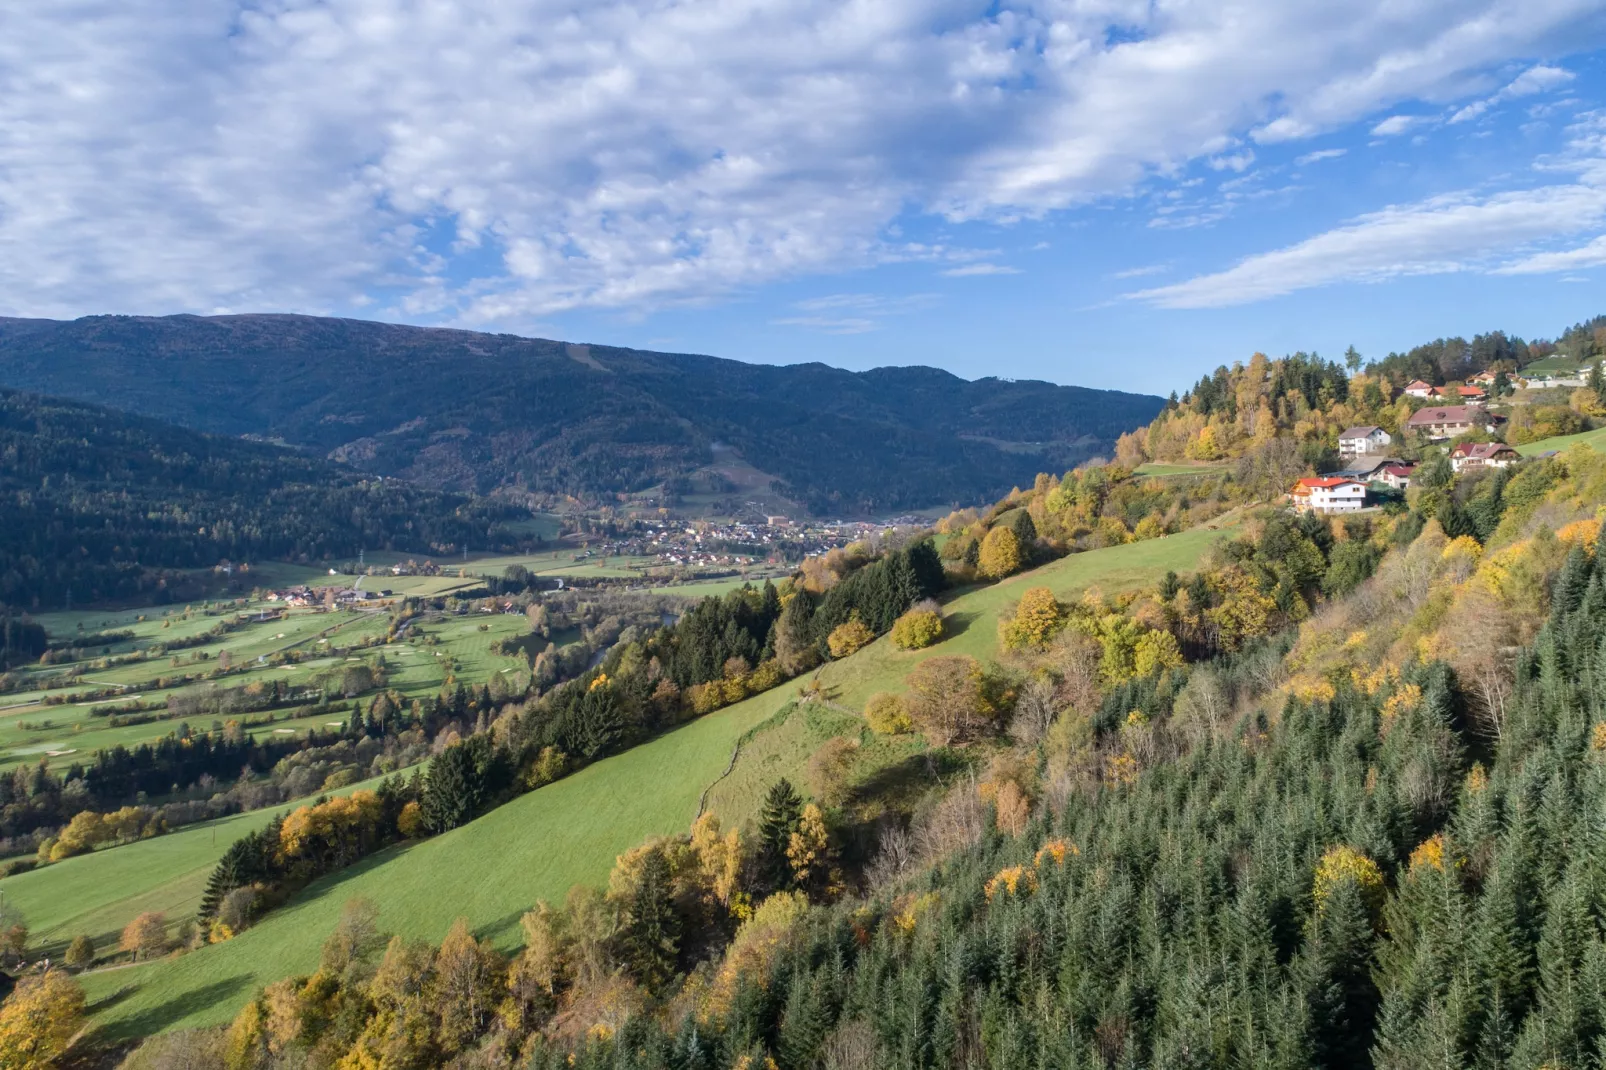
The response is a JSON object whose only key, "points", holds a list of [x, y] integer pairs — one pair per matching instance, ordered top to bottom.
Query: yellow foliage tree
{"points": [[999, 555], [1038, 618], [917, 629], [847, 638], [1156, 652], [887, 714], [808, 849], [1345, 863], [146, 934], [39, 1020]]}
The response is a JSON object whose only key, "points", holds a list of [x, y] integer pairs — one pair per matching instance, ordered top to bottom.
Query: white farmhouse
{"points": [[1360, 441]]}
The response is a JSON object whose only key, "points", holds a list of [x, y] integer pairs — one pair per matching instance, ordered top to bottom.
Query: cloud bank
{"points": [[491, 161]]}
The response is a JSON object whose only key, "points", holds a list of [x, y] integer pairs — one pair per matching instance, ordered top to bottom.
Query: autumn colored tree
{"points": [[1000, 554], [1037, 618], [917, 629], [849, 637], [948, 698], [887, 714], [145, 935], [81, 952], [466, 986], [39, 1019]]}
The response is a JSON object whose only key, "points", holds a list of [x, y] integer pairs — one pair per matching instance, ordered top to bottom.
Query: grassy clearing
{"points": [[1595, 439], [1161, 470], [783, 746], [490, 871], [99, 893]]}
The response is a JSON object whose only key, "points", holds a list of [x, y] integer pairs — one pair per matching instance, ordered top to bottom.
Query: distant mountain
{"points": [[473, 412], [100, 504]]}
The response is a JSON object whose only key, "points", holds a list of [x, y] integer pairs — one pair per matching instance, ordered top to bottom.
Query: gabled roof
{"points": [[1418, 385], [1448, 414], [1358, 432], [1482, 451], [1398, 470], [1326, 483]]}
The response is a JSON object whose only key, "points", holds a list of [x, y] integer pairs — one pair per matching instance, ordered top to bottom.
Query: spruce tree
{"points": [[781, 816], [652, 929]]}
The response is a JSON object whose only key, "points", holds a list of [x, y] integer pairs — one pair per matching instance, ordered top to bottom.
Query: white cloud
{"points": [[1537, 79], [1395, 124], [1319, 154], [493, 161], [1457, 232], [1591, 255], [980, 269], [1140, 272]]}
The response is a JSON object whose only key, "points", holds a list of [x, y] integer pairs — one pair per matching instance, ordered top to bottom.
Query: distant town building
{"points": [[1359, 441]]}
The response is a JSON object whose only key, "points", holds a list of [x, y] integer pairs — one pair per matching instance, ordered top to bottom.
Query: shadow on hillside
{"points": [[956, 624], [906, 780], [493, 931], [228, 991]]}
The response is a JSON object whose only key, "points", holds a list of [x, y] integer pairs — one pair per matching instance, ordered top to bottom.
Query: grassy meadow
{"points": [[490, 871], [99, 893]]}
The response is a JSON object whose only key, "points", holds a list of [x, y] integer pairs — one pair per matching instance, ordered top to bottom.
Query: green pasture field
{"points": [[1595, 440], [1162, 470], [71, 729], [490, 871], [97, 894]]}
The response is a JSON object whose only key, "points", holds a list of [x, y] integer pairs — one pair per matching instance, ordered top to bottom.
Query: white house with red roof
{"points": [[1419, 389], [1329, 494]]}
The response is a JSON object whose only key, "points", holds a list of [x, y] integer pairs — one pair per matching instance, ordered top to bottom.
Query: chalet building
{"points": [[1484, 379], [1419, 389], [1467, 392], [1441, 422], [1361, 441], [1470, 455], [1397, 476], [1332, 494]]}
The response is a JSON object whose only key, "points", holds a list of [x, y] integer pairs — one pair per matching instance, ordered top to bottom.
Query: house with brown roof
{"points": [[1419, 389], [1439, 422], [1482, 455]]}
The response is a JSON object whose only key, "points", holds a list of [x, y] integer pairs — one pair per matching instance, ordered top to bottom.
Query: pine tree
{"points": [[781, 816], [652, 928], [1342, 997]]}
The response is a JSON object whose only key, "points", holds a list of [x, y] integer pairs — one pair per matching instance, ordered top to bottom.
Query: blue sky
{"points": [[1106, 192]]}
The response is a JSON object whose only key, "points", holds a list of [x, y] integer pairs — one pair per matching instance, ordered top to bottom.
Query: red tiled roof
{"points": [[1327, 482]]}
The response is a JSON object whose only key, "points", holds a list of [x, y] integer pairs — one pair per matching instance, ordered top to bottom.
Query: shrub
{"points": [[1000, 554], [917, 629], [846, 638], [887, 715], [81, 952]]}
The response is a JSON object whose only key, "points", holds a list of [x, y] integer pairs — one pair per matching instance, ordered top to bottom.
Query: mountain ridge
{"points": [[470, 411]]}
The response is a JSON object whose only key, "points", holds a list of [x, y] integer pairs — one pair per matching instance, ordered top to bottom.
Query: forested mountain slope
{"points": [[467, 411], [97, 503]]}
